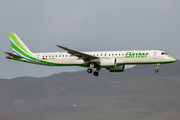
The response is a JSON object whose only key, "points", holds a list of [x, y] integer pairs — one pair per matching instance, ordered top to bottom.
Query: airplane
{"points": [[114, 61]]}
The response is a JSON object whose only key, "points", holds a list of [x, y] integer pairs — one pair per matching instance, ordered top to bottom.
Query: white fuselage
{"points": [[122, 57]]}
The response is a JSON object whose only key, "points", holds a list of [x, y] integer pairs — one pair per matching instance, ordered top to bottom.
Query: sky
{"points": [[86, 25]]}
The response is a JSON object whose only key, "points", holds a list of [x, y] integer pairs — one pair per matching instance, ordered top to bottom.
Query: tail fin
{"points": [[18, 46]]}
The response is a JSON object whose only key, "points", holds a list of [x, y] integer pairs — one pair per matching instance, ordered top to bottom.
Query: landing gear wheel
{"points": [[89, 70], [156, 70], [96, 73]]}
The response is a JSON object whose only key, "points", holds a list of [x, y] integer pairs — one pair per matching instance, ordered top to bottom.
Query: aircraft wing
{"points": [[13, 55], [80, 55]]}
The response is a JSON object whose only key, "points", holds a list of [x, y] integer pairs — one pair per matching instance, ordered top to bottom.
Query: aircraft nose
{"points": [[171, 58]]}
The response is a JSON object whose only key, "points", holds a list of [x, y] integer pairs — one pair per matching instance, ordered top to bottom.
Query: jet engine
{"points": [[108, 62], [117, 69]]}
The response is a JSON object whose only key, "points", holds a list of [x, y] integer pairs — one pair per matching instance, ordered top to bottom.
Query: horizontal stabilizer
{"points": [[13, 55]]}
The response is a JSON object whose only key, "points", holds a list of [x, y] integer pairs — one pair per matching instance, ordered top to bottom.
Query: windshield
{"points": [[163, 53]]}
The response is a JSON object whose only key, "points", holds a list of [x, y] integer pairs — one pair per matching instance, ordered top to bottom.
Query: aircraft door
{"points": [[154, 55], [38, 57]]}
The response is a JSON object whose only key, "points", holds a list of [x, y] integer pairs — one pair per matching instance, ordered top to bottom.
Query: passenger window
{"points": [[104, 54], [109, 54], [119, 54], [59, 55], [49, 56]]}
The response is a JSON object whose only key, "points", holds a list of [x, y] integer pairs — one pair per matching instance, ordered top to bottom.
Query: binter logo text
{"points": [[136, 55]]}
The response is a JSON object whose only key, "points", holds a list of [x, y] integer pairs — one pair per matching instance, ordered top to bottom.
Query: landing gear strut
{"points": [[157, 66], [90, 69]]}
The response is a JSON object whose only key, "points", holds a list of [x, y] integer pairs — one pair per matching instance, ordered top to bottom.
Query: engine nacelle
{"points": [[108, 62], [117, 69]]}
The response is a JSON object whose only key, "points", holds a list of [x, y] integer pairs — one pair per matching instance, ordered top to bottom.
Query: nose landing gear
{"points": [[157, 66], [156, 70]]}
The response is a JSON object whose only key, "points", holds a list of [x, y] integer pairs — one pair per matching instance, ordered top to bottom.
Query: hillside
{"points": [[138, 93]]}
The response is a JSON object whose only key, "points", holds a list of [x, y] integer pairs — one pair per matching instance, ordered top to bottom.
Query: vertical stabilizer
{"points": [[18, 46]]}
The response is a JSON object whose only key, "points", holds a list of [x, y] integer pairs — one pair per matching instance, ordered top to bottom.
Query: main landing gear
{"points": [[157, 66], [90, 70], [95, 73]]}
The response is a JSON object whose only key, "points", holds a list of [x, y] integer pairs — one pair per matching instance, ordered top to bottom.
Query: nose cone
{"points": [[171, 58]]}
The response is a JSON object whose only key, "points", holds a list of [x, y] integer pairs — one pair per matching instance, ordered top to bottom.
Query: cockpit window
{"points": [[163, 53]]}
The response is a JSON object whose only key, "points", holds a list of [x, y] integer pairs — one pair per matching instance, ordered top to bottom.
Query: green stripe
{"points": [[13, 37], [21, 52], [169, 56], [118, 64], [107, 66]]}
